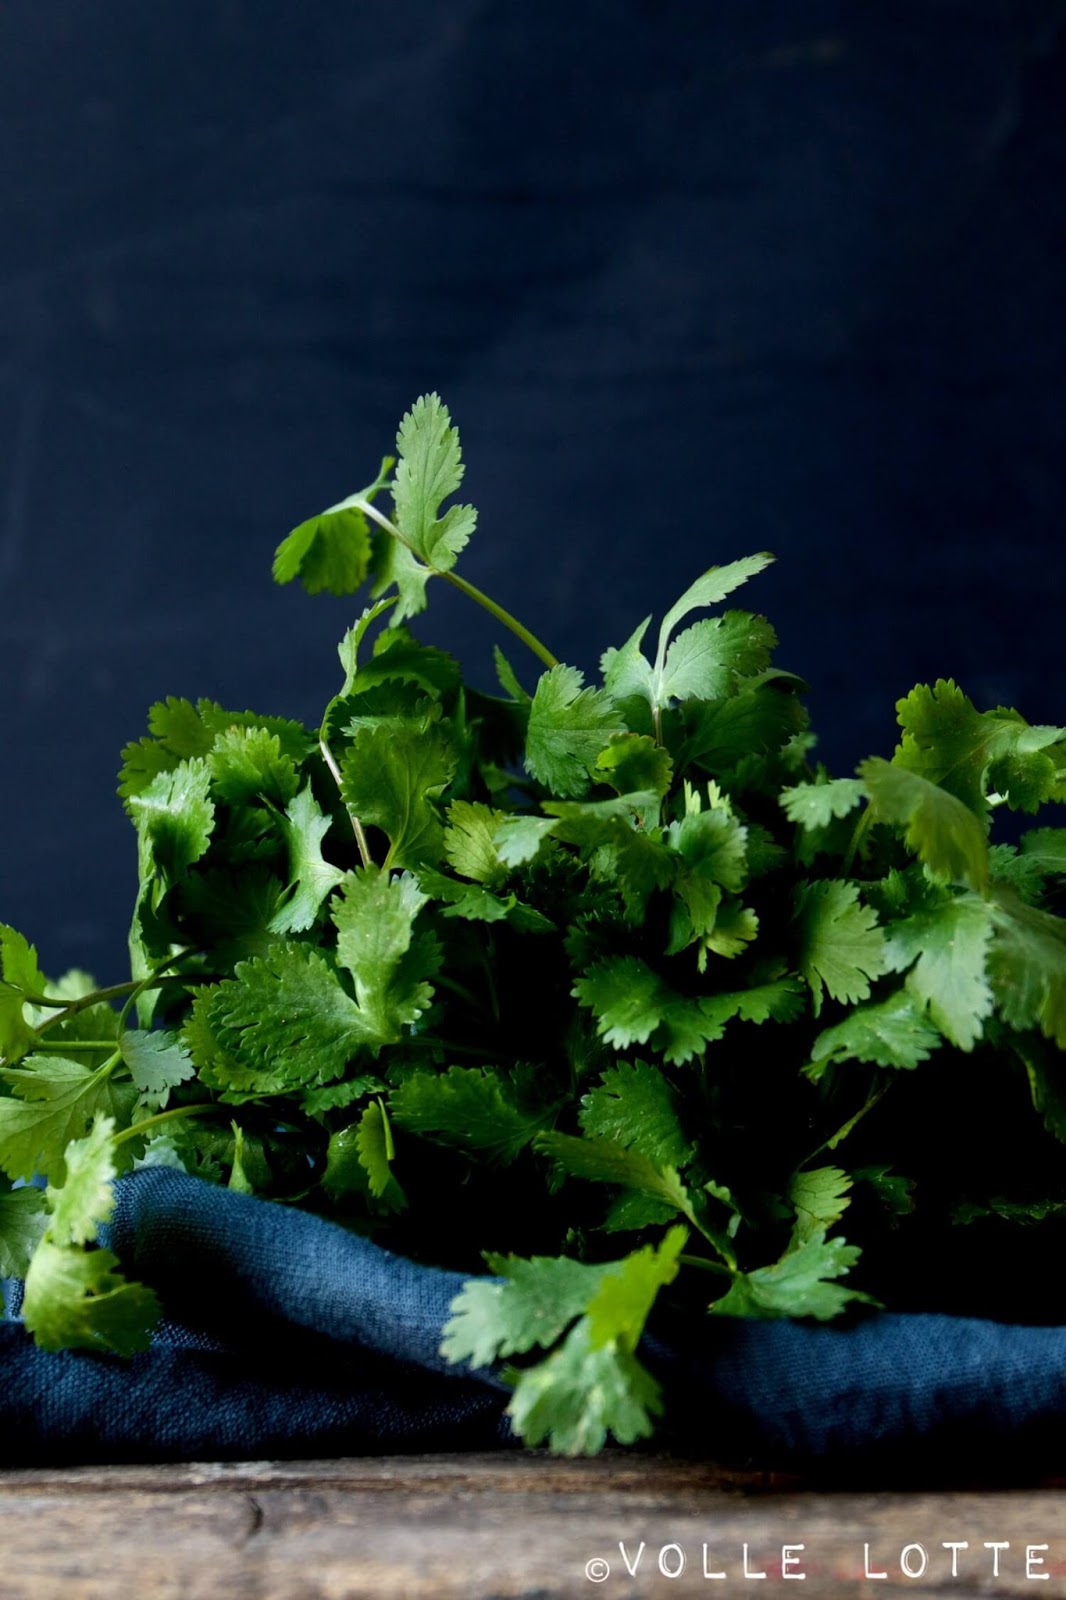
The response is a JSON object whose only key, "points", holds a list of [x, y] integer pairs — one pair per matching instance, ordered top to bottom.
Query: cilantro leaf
{"points": [[430, 468], [332, 550], [329, 551], [709, 589], [707, 659], [568, 727], [949, 743], [634, 762], [248, 764], [391, 779], [815, 805], [175, 816], [303, 827], [940, 828], [469, 842], [948, 942], [841, 947], [390, 965], [1027, 966], [19, 976], [282, 1022], [891, 1033], [158, 1061], [53, 1102], [635, 1107], [467, 1108], [373, 1144], [607, 1161], [86, 1198], [819, 1199], [23, 1218], [800, 1284], [77, 1299], [593, 1386], [581, 1394]]}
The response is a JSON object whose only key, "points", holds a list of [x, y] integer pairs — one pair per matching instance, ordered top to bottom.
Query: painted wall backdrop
{"points": [[696, 279]]}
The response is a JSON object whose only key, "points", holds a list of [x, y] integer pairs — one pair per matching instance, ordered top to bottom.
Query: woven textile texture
{"points": [[287, 1336]]}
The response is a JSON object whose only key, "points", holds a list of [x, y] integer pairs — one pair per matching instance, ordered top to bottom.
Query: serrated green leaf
{"points": [[430, 468], [332, 550], [329, 551], [709, 589], [706, 661], [626, 671], [755, 721], [568, 727], [948, 742], [634, 762], [247, 764], [391, 779], [816, 805], [174, 817], [303, 826], [940, 829], [519, 839], [469, 842], [374, 915], [948, 943], [841, 947], [1027, 965], [19, 976], [283, 1022], [891, 1033], [158, 1061], [52, 1103], [635, 1107], [468, 1108], [373, 1143], [607, 1161], [86, 1197], [819, 1199], [23, 1219], [798, 1285], [76, 1299], [529, 1303], [620, 1306], [583, 1394]]}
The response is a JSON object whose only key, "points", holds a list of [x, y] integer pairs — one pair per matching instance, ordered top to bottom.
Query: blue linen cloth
{"points": [[287, 1336]]}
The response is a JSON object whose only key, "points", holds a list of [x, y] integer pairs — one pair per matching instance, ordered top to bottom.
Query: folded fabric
{"points": [[286, 1336]]}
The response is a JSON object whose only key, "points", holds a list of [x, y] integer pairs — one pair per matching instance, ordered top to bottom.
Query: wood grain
{"points": [[481, 1527]]}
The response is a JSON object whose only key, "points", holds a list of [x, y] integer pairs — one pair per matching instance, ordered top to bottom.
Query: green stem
{"points": [[530, 640], [357, 827], [862, 828], [118, 991], [74, 1044], [162, 1116], [705, 1265]]}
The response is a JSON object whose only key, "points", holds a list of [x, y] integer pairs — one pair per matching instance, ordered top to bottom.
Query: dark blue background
{"points": [[696, 279]]}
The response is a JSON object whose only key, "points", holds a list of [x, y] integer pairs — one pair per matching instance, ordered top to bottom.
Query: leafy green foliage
{"points": [[568, 727], [841, 947], [609, 959]]}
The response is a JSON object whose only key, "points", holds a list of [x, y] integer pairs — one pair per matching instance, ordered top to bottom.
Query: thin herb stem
{"points": [[529, 639], [357, 827], [862, 828], [163, 1116], [705, 1265]]}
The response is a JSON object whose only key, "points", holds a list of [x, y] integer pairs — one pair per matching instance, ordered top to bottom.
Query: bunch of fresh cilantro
{"points": [[604, 984]]}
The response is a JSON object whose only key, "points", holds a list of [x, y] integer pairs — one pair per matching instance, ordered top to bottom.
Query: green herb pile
{"points": [[606, 985]]}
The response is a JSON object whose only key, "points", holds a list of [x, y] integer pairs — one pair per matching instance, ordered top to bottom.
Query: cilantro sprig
{"points": [[605, 984]]}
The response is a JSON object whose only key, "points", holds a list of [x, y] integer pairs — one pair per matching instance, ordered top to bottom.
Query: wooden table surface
{"points": [[522, 1525]]}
